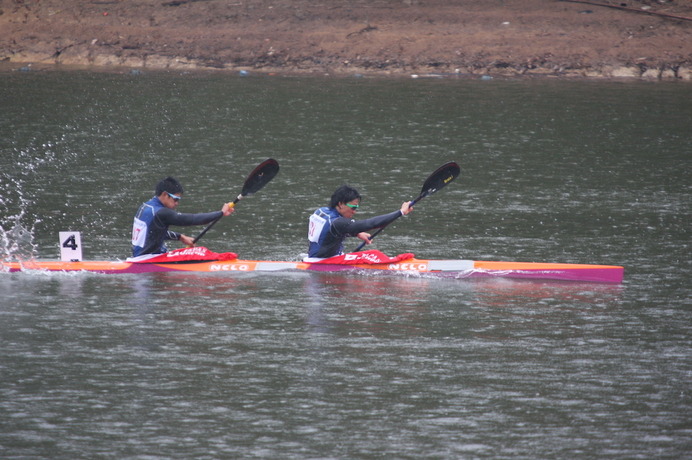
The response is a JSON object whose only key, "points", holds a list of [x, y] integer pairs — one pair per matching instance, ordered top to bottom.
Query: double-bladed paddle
{"points": [[258, 178], [438, 179]]}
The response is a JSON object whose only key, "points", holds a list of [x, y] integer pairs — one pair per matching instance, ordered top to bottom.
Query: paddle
{"points": [[258, 178], [438, 179]]}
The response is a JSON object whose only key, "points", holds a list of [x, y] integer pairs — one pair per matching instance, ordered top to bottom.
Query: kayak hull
{"points": [[456, 269]]}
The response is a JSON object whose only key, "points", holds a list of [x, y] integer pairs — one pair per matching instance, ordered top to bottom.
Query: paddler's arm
{"points": [[197, 219], [380, 221]]}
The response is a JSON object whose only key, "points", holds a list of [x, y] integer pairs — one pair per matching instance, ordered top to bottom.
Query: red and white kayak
{"points": [[455, 269]]}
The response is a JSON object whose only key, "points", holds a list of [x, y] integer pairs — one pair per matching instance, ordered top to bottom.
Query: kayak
{"points": [[200, 260], [454, 269]]}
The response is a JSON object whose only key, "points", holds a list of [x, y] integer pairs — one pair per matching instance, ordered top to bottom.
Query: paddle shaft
{"points": [[258, 178], [437, 180], [213, 222], [382, 228]]}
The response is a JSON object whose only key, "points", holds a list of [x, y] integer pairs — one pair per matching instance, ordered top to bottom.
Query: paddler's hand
{"points": [[406, 208], [227, 209], [365, 237], [186, 240]]}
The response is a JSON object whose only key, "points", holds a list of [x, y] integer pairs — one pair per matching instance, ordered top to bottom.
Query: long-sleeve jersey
{"points": [[150, 227], [328, 229]]}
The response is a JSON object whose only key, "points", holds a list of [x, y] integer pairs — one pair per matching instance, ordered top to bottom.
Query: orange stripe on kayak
{"points": [[56, 265], [235, 265], [540, 266]]}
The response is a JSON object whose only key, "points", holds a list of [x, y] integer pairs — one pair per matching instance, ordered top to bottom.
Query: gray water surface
{"points": [[311, 365]]}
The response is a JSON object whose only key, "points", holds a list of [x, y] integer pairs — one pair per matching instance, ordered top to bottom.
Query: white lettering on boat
{"points": [[188, 252], [372, 258], [409, 266], [229, 267]]}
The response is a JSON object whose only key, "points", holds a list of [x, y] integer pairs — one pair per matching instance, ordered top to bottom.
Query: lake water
{"points": [[311, 365]]}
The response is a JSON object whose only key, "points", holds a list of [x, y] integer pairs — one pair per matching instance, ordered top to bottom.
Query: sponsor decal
{"points": [[199, 251], [365, 256], [372, 256], [229, 267], [420, 267]]}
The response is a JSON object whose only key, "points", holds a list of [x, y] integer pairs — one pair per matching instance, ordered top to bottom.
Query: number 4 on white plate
{"points": [[70, 247]]}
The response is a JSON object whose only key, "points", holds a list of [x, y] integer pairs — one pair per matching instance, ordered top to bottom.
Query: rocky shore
{"points": [[634, 39]]}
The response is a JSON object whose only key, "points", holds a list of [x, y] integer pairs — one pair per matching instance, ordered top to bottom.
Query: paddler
{"points": [[330, 225], [150, 228]]}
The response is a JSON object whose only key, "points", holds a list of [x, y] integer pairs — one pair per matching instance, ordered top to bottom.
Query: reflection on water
{"points": [[367, 305], [325, 365]]}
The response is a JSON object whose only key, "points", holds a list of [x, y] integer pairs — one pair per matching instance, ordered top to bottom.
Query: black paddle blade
{"points": [[260, 176], [438, 179]]}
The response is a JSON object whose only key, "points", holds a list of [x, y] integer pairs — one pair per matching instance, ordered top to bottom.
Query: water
{"points": [[338, 366]]}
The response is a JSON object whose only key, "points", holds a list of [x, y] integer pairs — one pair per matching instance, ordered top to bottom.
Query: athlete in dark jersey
{"points": [[330, 225], [150, 227]]}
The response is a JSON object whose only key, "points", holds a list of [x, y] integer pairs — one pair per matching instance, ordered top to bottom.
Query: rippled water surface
{"points": [[313, 365]]}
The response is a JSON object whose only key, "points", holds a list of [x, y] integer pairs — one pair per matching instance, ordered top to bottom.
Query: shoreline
{"points": [[373, 38], [111, 65]]}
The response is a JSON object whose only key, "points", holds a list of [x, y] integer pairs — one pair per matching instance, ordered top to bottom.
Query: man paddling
{"points": [[330, 225], [150, 227]]}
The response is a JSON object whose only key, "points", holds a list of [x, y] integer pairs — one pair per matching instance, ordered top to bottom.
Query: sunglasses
{"points": [[175, 197], [352, 206]]}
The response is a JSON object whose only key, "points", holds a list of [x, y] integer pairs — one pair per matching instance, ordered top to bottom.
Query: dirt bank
{"points": [[647, 39]]}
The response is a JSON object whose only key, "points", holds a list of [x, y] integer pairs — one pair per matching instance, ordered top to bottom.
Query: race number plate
{"points": [[70, 247]]}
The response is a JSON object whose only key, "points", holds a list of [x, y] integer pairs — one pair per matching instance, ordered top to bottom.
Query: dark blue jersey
{"points": [[150, 227], [328, 229]]}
